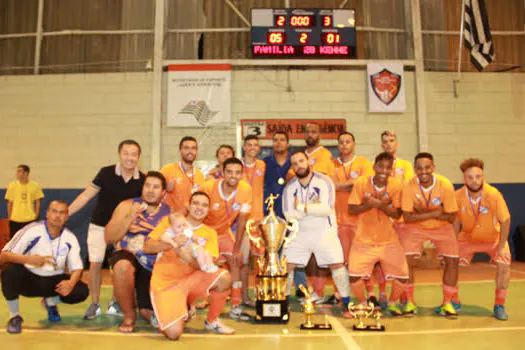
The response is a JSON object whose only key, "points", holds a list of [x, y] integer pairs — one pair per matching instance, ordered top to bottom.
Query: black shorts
{"points": [[142, 277]]}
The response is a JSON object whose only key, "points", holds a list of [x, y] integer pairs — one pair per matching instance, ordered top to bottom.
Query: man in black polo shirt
{"points": [[113, 184]]}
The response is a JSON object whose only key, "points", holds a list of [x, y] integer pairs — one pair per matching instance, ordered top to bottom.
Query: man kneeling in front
{"points": [[35, 260]]}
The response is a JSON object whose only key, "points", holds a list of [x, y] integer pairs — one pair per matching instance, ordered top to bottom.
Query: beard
{"points": [[311, 142], [303, 175], [475, 190]]}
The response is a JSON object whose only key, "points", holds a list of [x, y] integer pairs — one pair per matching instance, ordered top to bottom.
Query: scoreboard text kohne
{"points": [[303, 33]]}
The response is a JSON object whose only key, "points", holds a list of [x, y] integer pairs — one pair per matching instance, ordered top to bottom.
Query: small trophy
{"points": [[271, 305], [309, 310], [364, 312]]}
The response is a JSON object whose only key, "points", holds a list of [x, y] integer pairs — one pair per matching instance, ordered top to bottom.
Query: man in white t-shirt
{"points": [[310, 198], [33, 266]]}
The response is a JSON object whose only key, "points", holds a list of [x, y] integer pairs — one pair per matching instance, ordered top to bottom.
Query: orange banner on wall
{"points": [[265, 128]]}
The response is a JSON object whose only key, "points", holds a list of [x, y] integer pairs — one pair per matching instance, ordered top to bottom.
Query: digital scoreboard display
{"points": [[303, 33]]}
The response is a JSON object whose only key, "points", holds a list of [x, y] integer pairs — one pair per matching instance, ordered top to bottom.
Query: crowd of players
{"points": [[179, 236]]}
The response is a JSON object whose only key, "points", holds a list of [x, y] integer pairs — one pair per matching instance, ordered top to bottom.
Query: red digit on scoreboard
{"points": [[280, 21], [327, 21], [276, 38], [332, 38], [303, 39]]}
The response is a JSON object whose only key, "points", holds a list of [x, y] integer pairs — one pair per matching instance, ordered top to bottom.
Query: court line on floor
{"points": [[442, 331], [342, 332], [306, 334]]}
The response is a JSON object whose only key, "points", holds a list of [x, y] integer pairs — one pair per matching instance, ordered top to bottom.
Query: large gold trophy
{"points": [[270, 286]]}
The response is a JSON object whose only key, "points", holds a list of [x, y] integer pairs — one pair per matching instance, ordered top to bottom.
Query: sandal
{"points": [[126, 328]]}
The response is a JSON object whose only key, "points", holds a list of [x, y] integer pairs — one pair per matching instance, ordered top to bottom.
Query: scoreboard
{"points": [[303, 33]]}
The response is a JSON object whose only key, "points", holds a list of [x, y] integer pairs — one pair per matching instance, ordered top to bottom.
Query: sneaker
{"points": [[316, 299], [331, 300], [373, 300], [383, 302], [456, 306], [114, 309], [410, 309], [394, 310], [448, 311], [52, 312], [92, 312], [237, 313], [499, 313], [153, 321], [14, 326], [218, 327]]}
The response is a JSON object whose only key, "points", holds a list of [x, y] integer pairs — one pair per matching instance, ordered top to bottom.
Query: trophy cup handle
{"points": [[250, 225], [293, 227], [371, 309]]}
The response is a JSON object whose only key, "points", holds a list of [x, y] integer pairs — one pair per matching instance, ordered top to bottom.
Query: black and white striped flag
{"points": [[477, 34]]}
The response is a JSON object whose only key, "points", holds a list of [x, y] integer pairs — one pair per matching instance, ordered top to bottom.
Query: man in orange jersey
{"points": [[223, 152], [348, 167], [254, 171], [403, 171], [182, 177], [231, 199], [376, 200], [429, 208], [483, 224], [129, 227], [176, 284]]}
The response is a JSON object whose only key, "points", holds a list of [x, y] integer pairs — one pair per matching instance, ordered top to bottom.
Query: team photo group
{"points": [[180, 241]]}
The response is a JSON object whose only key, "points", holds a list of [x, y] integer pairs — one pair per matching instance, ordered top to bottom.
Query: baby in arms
{"points": [[194, 247]]}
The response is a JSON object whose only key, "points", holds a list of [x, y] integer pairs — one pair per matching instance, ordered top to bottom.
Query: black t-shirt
{"points": [[113, 190]]}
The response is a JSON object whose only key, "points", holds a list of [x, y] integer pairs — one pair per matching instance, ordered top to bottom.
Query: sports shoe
{"points": [[316, 299], [331, 300], [373, 300], [383, 301], [457, 307], [114, 309], [410, 309], [394, 310], [448, 311], [52, 312], [92, 312], [499, 312], [237, 313], [153, 321], [14, 326], [218, 327]]}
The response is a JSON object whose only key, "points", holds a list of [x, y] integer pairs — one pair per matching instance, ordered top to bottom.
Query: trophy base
{"points": [[271, 311], [317, 327], [371, 328]]}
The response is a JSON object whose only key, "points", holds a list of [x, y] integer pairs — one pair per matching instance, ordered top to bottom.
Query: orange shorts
{"points": [[346, 236], [444, 238], [226, 244], [467, 249], [391, 256], [171, 304]]}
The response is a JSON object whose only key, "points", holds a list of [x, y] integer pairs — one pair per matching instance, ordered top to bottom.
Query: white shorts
{"points": [[96, 243], [325, 246], [248, 250]]}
